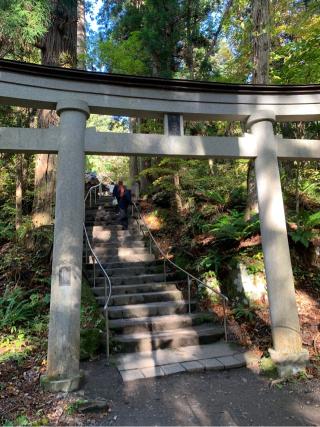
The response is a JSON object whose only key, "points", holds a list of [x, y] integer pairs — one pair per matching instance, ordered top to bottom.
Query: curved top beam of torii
{"points": [[38, 86]]}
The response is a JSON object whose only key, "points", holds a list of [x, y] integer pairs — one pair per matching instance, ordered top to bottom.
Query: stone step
{"points": [[102, 201], [100, 208], [103, 220], [103, 225], [105, 234], [120, 241], [133, 243], [119, 251], [106, 259], [128, 265], [134, 271], [131, 280], [133, 289], [142, 298], [149, 309], [160, 323], [175, 338], [209, 356]]}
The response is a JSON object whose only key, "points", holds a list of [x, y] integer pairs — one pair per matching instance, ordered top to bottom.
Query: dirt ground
{"points": [[236, 397]]}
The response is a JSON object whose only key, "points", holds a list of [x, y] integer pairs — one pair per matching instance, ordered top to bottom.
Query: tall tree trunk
{"points": [[81, 35], [58, 48], [261, 55], [134, 126], [144, 163], [133, 169], [177, 187], [19, 189]]}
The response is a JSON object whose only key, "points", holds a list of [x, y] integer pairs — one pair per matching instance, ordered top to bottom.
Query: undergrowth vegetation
{"points": [[201, 225]]}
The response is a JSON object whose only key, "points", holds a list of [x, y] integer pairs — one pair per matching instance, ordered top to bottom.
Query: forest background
{"points": [[208, 207]]}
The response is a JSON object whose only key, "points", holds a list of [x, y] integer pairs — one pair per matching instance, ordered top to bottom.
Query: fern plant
{"points": [[305, 231]]}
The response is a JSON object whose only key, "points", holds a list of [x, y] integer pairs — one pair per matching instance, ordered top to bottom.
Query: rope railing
{"points": [[97, 264], [190, 277]]}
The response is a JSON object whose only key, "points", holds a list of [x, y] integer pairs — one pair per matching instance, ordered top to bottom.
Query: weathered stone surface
{"points": [[252, 286], [281, 293], [171, 356], [230, 362], [289, 363], [212, 364], [193, 366], [173, 368], [152, 372], [132, 375], [61, 384], [93, 405]]}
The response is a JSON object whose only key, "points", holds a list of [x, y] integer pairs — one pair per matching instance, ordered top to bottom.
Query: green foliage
{"points": [[22, 22], [296, 52], [124, 56], [111, 168], [233, 226], [305, 229], [211, 261], [18, 307], [245, 312], [90, 316], [15, 346], [268, 367], [73, 407], [20, 420]]}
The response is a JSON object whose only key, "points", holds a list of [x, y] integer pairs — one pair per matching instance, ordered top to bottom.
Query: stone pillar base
{"points": [[289, 363], [55, 385]]}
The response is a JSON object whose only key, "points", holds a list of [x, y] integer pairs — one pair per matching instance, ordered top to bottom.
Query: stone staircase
{"points": [[146, 311]]}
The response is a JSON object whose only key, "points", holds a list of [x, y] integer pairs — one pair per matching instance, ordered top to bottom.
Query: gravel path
{"points": [[236, 397]]}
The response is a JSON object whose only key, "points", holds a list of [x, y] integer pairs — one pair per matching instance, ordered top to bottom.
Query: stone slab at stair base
{"points": [[218, 356], [289, 363], [61, 384]]}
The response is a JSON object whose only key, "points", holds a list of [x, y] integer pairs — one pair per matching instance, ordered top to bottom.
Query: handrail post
{"points": [[95, 195], [90, 197], [150, 245], [86, 249], [165, 270], [94, 271], [189, 294], [106, 314], [224, 320], [107, 333]]}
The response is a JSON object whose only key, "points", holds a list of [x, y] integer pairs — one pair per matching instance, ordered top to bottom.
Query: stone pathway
{"points": [[217, 356]]}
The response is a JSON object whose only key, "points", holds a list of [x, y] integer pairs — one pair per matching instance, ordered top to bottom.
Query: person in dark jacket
{"points": [[116, 190], [124, 202]]}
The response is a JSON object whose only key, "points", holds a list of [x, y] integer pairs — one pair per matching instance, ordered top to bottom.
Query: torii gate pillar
{"points": [[288, 353], [63, 372]]}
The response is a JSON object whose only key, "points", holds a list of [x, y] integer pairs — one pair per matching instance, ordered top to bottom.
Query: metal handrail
{"points": [[89, 193], [96, 261], [189, 275]]}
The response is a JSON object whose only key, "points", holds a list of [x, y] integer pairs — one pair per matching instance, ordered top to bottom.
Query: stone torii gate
{"points": [[75, 94]]}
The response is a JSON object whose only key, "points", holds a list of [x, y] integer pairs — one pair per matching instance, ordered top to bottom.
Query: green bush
{"points": [[233, 226], [305, 231], [18, 306]]}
